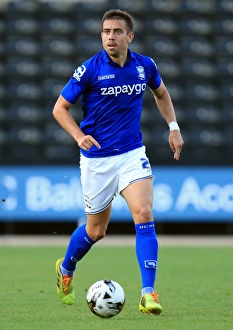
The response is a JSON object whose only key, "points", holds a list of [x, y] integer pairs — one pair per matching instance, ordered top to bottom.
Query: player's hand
{"points": [[87, 141], [176, 143]]}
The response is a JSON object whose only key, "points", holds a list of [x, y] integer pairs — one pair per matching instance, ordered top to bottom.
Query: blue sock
{"points": [[80, 244], [147, 253]]}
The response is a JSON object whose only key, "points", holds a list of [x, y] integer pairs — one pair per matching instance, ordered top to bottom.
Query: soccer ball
{"points": [[105, 298]]}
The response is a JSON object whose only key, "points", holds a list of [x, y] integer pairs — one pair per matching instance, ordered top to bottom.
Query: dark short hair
{"points": [[114, 14]]}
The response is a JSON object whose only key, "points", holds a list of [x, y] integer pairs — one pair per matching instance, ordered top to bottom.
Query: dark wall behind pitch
{"points": [[42, 42]]}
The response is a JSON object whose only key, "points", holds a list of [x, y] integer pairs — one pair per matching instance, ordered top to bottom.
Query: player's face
{"points": [[116, 37]]}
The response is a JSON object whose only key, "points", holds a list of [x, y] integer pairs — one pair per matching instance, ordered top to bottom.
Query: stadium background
{"points": [[41, 42]]}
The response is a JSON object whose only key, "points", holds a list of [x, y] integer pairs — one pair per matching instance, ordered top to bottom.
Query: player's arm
{"points": [[165, 106], [64, 118]]}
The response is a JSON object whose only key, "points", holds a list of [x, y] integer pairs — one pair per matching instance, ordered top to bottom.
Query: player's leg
{"points": [[98, 195], [139, 197], [97, 224], [84, 237], [80, 243]]}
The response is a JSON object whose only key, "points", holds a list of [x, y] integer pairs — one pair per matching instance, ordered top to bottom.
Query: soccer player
{"points": [[112, 156]]}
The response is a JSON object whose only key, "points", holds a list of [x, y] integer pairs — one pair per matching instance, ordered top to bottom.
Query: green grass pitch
{"points": [[195, 286]]}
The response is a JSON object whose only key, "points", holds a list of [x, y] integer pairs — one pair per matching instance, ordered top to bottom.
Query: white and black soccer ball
{"points": [[106, 298]]}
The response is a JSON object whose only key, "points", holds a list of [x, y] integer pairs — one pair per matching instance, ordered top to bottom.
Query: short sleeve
{"points": [[155, 80], [77, 84]]}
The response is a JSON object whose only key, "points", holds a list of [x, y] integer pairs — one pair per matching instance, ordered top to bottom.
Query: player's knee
{"points": [[143, 214], [97, 236]]}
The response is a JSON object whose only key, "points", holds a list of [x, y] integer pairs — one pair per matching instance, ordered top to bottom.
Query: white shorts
{"points": [[103, 178]]}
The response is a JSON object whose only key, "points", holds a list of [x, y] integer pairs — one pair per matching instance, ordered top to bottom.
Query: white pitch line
{"points": [[116, 240]]}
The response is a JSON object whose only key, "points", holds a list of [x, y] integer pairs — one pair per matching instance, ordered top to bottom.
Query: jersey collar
{"points": [[108, 59]]}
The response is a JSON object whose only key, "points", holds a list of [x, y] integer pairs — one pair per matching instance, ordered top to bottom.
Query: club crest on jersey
{"points": [[141, 72], [78, 73]]}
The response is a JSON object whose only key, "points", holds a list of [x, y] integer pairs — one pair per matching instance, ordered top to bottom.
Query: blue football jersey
{"points": [[112, 100]]}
